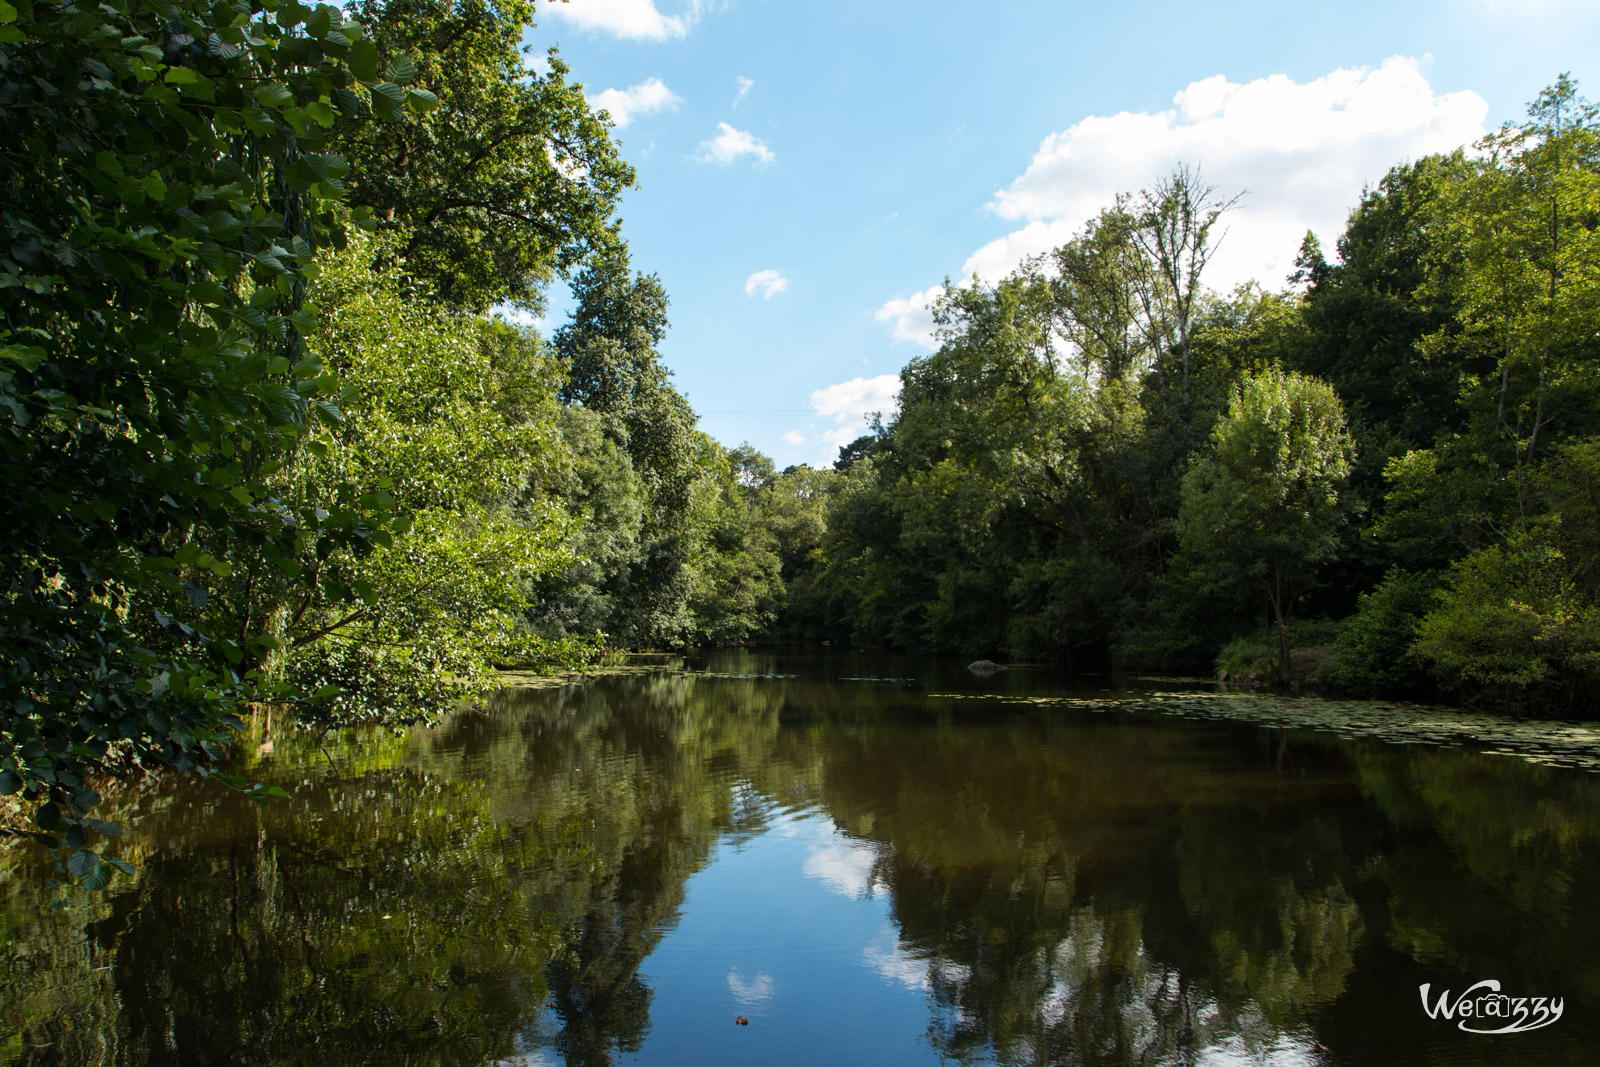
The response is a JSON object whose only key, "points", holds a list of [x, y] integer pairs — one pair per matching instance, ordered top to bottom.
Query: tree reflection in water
{"points": [[1078, 888]]}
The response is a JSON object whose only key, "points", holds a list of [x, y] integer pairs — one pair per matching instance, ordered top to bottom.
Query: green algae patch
{"points": [[1550, 743]]}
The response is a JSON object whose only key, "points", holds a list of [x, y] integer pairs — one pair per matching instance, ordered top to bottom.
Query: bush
{"points": [[1513, 626], [1375, 644], [1257, 653]]}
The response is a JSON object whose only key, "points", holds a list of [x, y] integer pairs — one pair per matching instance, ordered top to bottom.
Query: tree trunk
{"points": [[1275, 594]]}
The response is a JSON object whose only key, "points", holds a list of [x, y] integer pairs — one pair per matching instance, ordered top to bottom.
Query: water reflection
{"points": [[607, 873]]}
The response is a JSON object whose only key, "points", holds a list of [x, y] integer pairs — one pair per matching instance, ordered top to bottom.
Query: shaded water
{"points": [[871, 860]]}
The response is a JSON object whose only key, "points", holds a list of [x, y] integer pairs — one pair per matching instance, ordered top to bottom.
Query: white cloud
{"points": [[1523, 8], [639, 19], [536, 62], [744, 88], [625, 105], [731, 145], [1304, 152], [770, 282], [522, 317], [913, 321], [849, 403], [795, 437], [843, 866], [893, 963], [750, 992]]}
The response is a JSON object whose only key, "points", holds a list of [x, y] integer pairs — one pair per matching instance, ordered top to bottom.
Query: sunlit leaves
{"points": [[169, 187], [487, 213], [1264, 502]]}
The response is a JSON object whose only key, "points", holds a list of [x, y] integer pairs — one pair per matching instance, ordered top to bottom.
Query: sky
{"points": [[809, 175]]}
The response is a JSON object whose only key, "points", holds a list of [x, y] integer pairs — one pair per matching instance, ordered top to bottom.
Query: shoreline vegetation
{"points": [[271, 441], [1548, 741]]}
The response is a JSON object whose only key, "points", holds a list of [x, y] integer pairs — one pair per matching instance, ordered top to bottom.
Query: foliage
{"points": [[511, 179], [172, 183], [1519, 228], [1366, 314], [608, 354], [459, 416], [1263, 505], [1514, 628], [1376, 644], [1255, 655]]}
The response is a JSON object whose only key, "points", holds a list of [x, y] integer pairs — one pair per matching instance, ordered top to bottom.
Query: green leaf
{"points": [[7, 12], [320, 22], [220, 48], [364, 61], [402, 69], [181, 76], [274, 95], [387, 99], [421, 101], [322, 112], [281, 404], [10, 782], [48, 817], [82, 863], [122, 865], [98, 878]]}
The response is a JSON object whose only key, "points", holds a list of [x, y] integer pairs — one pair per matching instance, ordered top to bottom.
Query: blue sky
{"points": [[809, 172]]}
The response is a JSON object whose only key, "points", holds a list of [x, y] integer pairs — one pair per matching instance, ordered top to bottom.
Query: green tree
{"points": [[510, 180], [171, 184], [1519, 230], [1366, 314], [608, 352], [456, 417], [1262, 506], [738, 583]]}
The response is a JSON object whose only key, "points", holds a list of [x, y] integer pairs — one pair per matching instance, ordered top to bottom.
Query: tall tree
{"points": [[510, 180], [1175, 228], [613, 369], [1262, 506]]}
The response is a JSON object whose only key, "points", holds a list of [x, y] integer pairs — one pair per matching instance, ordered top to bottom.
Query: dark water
{"points": [[865, 870]]}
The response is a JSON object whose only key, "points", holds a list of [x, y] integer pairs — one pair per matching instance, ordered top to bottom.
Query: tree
{"points": [[511, 179], [171, 184], [1173, 229], [1520, 236], [1097, 298], [1367, 312], [608, 351], [455, 417], [1262, 506], [737, 577]]}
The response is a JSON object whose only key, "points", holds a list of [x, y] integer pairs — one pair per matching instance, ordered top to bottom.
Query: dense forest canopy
{"points": [[266, 445]]}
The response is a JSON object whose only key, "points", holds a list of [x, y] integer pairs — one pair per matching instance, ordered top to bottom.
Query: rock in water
{"points": [[985, 666]]}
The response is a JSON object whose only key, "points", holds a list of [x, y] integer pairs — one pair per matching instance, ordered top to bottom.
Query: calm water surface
{"points": [[833, 849]]}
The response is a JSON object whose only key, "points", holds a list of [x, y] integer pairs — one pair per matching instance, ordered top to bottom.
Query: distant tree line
{"points": [[1394, 464]]}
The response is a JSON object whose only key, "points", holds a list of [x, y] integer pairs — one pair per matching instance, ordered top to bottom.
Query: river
{"points": [[866, 859]]}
